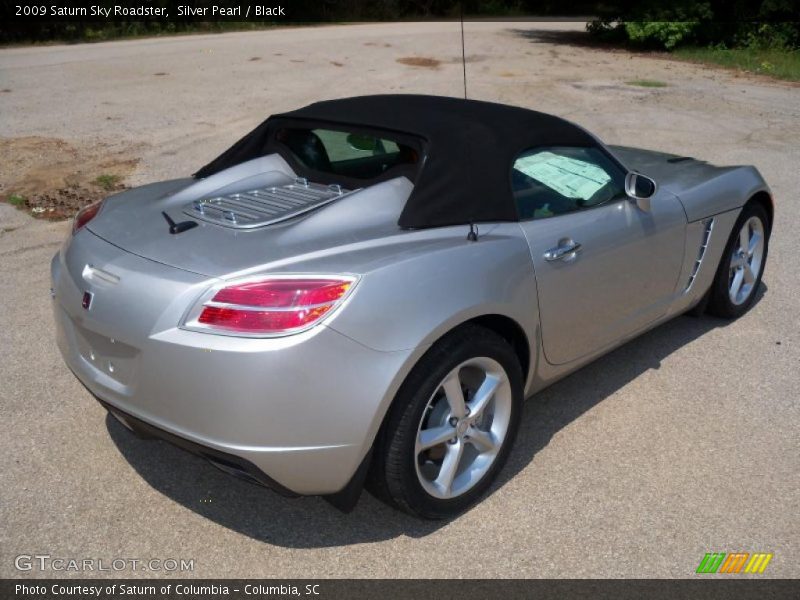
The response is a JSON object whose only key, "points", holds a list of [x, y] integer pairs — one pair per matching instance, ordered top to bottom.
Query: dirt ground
{"points": [[52, 178], [682, 442]]}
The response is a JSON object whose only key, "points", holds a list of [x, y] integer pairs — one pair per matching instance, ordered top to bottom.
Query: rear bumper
{"points": [[299, 413], [230, 463]]}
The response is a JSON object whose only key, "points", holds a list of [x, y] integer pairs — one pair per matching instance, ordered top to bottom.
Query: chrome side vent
{"points": [[264, 206], [709, 223]]}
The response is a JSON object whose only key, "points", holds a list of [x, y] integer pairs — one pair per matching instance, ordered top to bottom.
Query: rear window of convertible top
{"points": [[346, 154]]}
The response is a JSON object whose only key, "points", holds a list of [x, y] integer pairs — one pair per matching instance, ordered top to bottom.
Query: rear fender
{"points": [[416, 299]]}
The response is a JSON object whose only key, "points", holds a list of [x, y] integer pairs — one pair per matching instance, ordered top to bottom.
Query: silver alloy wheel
{"points": [[746, 261], [463, 428]]}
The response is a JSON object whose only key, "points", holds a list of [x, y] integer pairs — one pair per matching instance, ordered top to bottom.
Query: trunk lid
{"points": [[252, 214]]}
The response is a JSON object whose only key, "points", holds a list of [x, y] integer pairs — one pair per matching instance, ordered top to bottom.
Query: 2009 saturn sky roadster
{"points": [[363, 291]]}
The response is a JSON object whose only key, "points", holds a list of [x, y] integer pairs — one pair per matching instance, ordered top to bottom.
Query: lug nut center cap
{"points": [[461, 428]]}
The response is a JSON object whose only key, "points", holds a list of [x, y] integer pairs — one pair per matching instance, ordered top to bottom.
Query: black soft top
{"points": [[468, 149]]}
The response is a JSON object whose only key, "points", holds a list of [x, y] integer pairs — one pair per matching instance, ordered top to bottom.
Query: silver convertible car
{"points": [[362, 292]]}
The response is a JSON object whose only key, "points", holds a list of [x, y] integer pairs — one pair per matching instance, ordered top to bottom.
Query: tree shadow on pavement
{"points": [[564, 37], [313, 523]]}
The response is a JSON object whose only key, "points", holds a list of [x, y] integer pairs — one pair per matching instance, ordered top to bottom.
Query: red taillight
{"points": [[86, 214], [284, 293], [272, 306]]}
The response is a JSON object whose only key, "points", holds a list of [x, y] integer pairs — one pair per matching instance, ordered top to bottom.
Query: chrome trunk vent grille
{"points": [[264, 206], [703, 246]]}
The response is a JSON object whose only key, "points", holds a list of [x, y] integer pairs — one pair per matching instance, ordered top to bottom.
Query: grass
{"points": [[775, 62], [648, 83], [107, 182], [16, 200]]}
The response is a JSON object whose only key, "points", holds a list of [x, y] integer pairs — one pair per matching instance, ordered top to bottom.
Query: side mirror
{"points": [[365, 143], [640, 188]]}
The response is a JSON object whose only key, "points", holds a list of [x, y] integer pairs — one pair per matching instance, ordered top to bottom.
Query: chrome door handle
{"points": [[565, 249]]}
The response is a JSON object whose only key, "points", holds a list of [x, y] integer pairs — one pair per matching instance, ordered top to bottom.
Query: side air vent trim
{"points": [[709, 223]]}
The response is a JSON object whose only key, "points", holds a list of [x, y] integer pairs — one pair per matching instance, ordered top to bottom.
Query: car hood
{"points": [[673, 172], [703, 189], [133, 221]]}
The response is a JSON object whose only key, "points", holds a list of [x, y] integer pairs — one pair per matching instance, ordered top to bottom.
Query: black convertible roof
{"points": [[469, 147]]}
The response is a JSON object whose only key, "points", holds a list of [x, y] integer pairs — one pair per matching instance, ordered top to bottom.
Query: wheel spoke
{"points": [[744, 237], [754, 241], [749, 276], [736, 284], [454, 394], [484, 394], [428, 438], [483, 440], [447, 473]]}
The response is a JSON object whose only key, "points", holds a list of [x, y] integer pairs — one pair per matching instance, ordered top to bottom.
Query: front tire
{"points": [[739, 274], [451, 426]]}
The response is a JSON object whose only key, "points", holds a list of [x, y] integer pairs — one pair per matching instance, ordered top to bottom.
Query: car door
{"points": [[604, 267]]}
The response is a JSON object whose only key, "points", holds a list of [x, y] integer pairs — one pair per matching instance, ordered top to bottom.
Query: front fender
{"points": [[729, 190]]}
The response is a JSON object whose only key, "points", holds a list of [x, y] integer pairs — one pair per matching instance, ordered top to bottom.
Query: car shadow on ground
{"points": [[313, 523]]}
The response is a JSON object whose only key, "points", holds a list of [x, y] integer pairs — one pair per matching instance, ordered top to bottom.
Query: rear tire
{"points": [[739, 273], [451, 426]]}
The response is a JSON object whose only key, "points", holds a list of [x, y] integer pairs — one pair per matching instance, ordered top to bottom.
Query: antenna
{"points": [[463, 54]]}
